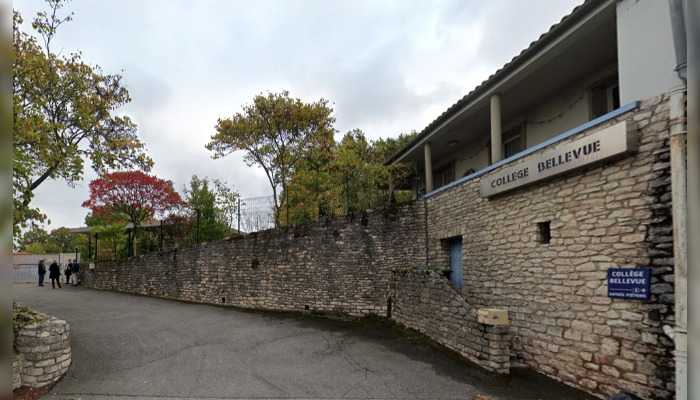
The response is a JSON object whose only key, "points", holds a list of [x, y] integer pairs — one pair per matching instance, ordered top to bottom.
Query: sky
{"points": [[387, 67]]}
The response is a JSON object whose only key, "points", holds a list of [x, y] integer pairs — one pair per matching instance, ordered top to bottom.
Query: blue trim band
{"points": [[578, 129]]}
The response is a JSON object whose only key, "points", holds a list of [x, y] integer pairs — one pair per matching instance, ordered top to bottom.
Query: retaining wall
{"points": [[340, 263], [428, 302]]}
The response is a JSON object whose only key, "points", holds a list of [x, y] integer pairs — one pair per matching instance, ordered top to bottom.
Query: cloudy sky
{"points": [[386, 66]]}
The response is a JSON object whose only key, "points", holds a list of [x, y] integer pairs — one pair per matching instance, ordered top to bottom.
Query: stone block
{"points": [[610, 347]]}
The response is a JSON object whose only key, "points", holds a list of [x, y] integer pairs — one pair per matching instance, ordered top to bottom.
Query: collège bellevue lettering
{"points": [[609, 142]]}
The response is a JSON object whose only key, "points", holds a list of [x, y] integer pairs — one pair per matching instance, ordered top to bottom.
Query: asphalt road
{"points": [[136, 347]]}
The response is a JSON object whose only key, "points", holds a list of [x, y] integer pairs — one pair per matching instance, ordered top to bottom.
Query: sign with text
{"points": [[615, 140], [629, 283]]}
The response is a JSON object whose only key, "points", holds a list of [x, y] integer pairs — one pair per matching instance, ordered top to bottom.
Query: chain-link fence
{"points": [[255, 214]]}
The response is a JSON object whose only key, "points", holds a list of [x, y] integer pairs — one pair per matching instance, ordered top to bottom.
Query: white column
{"points": [[496, 137], [428, 168]]}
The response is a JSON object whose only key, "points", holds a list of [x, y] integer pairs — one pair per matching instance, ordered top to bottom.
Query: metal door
{"points": [[456, 261]]}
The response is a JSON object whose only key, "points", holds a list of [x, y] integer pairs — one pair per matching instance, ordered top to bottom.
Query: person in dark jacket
{"points": [[68, 270], [42, 272], [74, 272], [55, 274]]}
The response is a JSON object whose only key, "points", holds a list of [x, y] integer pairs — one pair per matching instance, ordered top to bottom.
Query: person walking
{"points": [[68, 270], [42, 272], [74, 272], [55, 274]]}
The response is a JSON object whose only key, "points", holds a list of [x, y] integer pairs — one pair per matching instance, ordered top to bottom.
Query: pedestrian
{"points": [[68, 270], [42, 272], [74, 272], [55, 274]]}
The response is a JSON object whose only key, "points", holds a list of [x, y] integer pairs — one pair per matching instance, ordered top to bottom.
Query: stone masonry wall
{"points": [[615, 215], [340, 263], [428, 302], [44, 352]]}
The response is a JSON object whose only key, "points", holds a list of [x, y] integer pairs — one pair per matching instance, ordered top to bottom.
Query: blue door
{"points": [[456, 261]]}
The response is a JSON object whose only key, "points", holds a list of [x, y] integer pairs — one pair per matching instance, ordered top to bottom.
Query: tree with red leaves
{"points": [[132, 196]]}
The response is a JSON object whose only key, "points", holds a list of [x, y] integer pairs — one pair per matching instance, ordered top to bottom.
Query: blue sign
{"points": [[629, 283]]}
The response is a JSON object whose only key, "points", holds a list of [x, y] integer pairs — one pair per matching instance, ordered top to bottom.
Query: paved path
{"points": [[138, 347]]}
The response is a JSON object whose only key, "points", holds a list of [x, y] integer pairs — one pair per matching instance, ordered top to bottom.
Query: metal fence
{"points": [[255, 214], [25, 265]]}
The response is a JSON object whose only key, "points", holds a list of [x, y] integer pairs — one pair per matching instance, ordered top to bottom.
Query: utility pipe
{"points": [[680, 41], [679, 190]]}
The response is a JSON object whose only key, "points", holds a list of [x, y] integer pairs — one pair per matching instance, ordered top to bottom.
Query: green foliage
{"points": [[62, 115], [276, 132], [385, 148], [348, 176], [226, 202], [202, 203], [35, 235], [64, 240], [113, 240], [38, 241], [35, 248], [372, 315], [21, 316]]}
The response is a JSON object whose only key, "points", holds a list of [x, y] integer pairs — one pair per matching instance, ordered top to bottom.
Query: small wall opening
{"points": [[544, 232]]}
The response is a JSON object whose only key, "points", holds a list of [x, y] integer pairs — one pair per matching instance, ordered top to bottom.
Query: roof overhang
{"points": [[581, 43], [144, 225]]}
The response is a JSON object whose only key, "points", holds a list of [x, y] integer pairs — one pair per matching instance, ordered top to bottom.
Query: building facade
{"points": [[556, 191]]}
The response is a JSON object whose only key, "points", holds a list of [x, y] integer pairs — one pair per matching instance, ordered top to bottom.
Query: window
{"points": [[605, 97], [513, 141], [445, 175], [544, 232]]}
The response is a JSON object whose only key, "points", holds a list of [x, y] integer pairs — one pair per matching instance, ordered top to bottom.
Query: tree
{"points": [[63, 114], [276, 132], [385, 148], [350, 176], [132, 195], [227, 201], [202, 202], [35, 235], [112, 239], [60, 240], [63, 240], [35, 248]]}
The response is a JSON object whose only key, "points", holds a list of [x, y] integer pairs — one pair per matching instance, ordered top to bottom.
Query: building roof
{"points": [[555, 31], [145, 224]]}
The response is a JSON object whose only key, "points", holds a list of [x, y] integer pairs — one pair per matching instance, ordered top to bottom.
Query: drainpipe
{"points": [[679, 37], [496, 137], [428, 168], [679, 189]]}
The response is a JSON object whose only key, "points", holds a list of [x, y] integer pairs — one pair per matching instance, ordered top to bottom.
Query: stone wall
{"points": [[615, 215], [340, 263], [428, 302], [44, 352]]}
